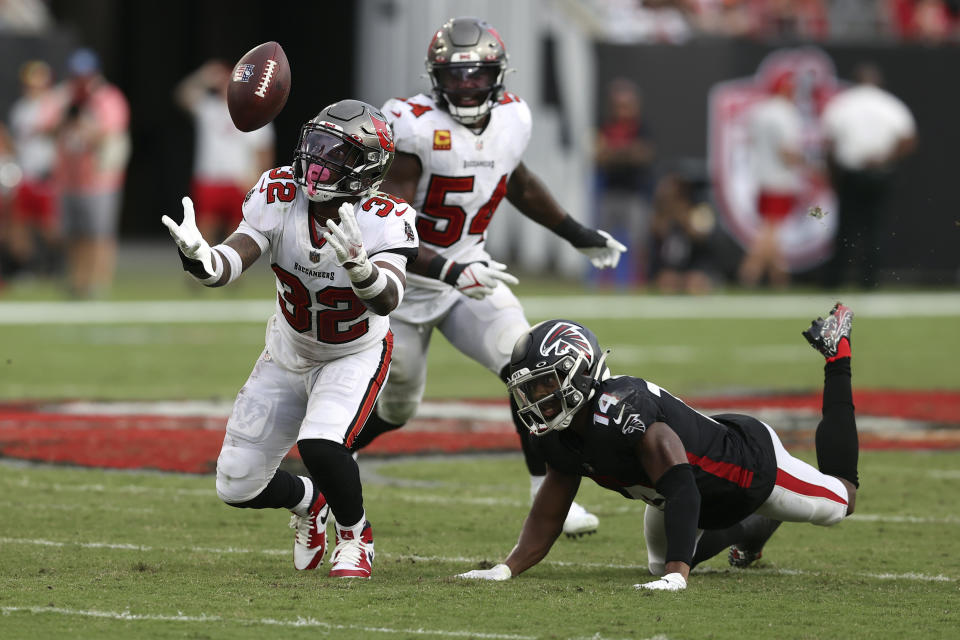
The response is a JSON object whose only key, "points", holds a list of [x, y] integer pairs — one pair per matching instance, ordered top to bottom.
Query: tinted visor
{"points": [[467, 86], [324, 158]]}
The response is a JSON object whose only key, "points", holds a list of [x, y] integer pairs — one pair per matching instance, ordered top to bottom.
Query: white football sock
{"points": [[535, 482], [303, 507]]}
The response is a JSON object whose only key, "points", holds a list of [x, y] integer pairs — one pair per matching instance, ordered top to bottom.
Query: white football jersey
{"points": [[464, 176], [319, 317]]}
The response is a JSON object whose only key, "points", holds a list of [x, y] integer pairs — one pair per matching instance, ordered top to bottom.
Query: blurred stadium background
{"points": [[565, 52], [145, 376]]}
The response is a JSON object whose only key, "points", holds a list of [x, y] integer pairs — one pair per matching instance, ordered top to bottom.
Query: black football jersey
{"points": [[731, 454]]}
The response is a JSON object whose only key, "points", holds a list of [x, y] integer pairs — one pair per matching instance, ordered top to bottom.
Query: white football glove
{"points": [[188, 238], [347, 242], [605, 256], [479, 279], [498, 573], [669, 582]]}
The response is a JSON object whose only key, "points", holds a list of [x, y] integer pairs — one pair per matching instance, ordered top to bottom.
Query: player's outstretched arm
{"points": [[528, 194], [211, 266], [380, 293], [664, 459], [540, 530]]}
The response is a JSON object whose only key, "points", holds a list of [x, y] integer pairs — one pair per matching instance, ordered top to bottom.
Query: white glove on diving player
{"points": [[188, 238], [347, 242], [605, 256], [479, 279], [499, 572], [669, 582]]}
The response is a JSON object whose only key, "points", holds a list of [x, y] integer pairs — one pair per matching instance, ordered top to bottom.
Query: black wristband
{"points": [[578, 235], [435, 266], [193, 267], [456, 268], [681, 513]]}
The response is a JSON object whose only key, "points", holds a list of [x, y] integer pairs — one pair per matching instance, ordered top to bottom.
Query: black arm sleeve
{"points": [[578, 235], [681, 512]]}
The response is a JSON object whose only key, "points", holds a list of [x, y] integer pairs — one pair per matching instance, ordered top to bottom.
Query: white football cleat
{"points": [[580, 522], [310, 543], [353, 558]]}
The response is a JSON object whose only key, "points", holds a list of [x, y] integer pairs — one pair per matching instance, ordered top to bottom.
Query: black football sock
{"points": [[374, 427], [836, 439], [536, 465], [336, 475], [284, 491], [714, 541]]}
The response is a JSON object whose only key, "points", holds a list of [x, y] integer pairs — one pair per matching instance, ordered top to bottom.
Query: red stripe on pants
{"points": [[373, 391], [792, 483]]}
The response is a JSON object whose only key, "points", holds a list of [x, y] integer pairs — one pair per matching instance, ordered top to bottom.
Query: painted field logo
{"points": [[441, 140], [805, 239]]}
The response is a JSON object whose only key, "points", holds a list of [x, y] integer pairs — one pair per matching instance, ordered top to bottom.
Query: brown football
{"points": [[259, 86]]}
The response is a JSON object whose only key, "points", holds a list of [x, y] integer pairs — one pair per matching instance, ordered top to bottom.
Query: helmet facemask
{"points": [[469, 91], [329, 164], [548, 397]]}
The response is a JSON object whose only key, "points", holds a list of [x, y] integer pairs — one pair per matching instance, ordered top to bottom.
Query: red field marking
{"points": [[191, 443]]}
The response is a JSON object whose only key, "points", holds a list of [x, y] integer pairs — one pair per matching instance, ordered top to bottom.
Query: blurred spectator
{"points": [[24, 16], [729, 18], [794, 19], [856, 19], [925, 20], [653, 21], [867, 131], [93, 147], [776, 154], [623, 157], [227, 161], [9, 177], [683, 225], [34, 240]]}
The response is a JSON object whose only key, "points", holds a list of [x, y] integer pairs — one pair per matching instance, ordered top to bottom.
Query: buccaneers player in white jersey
{"points": [[459, 154], [339, 250]]}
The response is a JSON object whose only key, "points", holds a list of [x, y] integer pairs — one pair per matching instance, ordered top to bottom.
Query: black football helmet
{"points": [[466, 62], [345, 151], [555, 369]]}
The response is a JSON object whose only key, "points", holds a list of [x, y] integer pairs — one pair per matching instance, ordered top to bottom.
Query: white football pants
{"points": [[277, 408]]}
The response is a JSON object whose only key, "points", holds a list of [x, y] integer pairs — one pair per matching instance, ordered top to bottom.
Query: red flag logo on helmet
{"points": [[384, 133], [566, 338]]}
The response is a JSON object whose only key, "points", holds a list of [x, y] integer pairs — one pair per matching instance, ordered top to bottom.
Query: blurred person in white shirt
{"points": [[867, 132], [775, 138], [226, 160], [34, 232]]}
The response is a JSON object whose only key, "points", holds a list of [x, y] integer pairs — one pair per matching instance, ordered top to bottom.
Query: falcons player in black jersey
{"points": [[709, 481]]}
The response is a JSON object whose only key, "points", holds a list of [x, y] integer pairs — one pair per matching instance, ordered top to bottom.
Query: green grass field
{"points": [[91, 554], [95, 554]]}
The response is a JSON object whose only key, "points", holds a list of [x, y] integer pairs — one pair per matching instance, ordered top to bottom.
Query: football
{"points": [[259, 86]]}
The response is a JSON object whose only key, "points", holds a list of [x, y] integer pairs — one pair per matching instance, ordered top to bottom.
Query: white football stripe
{"points": [[879, 305], [118, 546], [127, 616]]}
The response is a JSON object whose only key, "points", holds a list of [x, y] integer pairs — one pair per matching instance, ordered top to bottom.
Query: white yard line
{"points": [[885, 305], [119, 546], [128, 616]]}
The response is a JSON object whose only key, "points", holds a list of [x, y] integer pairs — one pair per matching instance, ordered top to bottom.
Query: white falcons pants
{"points": [[276, 408], [802, 492]]}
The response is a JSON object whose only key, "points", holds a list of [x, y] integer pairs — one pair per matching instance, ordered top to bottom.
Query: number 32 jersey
{"points": [[463, 180], [318, 316]]}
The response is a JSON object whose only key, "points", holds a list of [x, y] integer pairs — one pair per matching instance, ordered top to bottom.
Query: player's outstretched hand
{"points": [[188, 237], [347, 242], [605, 256], [479, 279], [498, 573], [669, 582]]}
